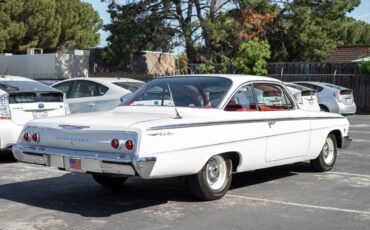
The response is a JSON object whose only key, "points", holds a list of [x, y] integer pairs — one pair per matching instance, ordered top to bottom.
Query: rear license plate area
{"points": [[39, 115], [75, 164]]}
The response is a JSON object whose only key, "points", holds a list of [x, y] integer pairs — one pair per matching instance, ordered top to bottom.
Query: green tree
{"points": [[47, 24], [80, 24], [136, 27], [208, 30], [307, 30], [350, 31], [251, 58], [365, 67]]}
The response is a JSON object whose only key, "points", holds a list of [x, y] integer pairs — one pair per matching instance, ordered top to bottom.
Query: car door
{"points": [[86, 96], [249, 127], [289, 129]]}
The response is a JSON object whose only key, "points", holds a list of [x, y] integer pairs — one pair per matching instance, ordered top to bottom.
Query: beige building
{"points": [[49, 66]]}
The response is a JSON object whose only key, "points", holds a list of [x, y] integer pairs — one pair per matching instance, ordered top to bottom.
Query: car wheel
{"points": [[323, 108], [326, 160], [109, 181], [213, 181]]}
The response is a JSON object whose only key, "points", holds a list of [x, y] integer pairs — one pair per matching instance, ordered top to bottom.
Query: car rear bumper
{"points": [[347, 109], [346, 141], [90, 162]]}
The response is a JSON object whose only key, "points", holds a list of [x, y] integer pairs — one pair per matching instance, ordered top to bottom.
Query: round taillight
{"points": [[26, 136], [35, 137], [115, 143], [129, 145]]}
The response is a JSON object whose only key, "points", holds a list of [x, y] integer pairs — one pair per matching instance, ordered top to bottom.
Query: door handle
{"points": [[90, 105], [271, 123]]}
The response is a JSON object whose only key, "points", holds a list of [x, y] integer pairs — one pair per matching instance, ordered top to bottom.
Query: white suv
{"points": [[22, 100]]}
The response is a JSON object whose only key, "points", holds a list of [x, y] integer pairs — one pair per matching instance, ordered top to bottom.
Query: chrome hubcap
{"points": [[328, 151], [216, 173]]}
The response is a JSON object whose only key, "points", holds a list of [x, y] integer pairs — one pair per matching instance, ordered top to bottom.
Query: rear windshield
{"points": [[13, 86], [132, 86], [311, 86], [335, 86], [299, 87], [199, 92]]}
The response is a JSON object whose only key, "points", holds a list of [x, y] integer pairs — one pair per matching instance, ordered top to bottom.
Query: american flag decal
{"points": [[75, 164]]}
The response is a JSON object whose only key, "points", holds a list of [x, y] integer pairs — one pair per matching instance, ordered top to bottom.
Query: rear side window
{"points": [[64, 87], [88, 89], [272, 97], [243, 100]]}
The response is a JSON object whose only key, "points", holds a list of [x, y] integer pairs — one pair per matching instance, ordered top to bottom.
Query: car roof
{"points": [[14, 78], [236, 78], [103, 79], [323, 84]]}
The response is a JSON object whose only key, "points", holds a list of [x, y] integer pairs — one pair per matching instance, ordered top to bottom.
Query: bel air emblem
{"points": [[74, 126]]}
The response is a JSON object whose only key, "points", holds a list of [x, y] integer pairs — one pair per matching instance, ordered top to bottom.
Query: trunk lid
{"points": [[346, 96], [27, 105], [91, 132]]}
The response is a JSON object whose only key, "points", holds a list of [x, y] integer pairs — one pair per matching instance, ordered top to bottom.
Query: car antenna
{"points": [[6, 73], [173, 101]]}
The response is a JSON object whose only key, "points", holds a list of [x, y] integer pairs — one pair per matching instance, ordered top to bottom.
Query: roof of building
{"points": [[348, 53]]}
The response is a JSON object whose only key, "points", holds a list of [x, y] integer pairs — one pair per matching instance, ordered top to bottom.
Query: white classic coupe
{"points": [[204, 127]]}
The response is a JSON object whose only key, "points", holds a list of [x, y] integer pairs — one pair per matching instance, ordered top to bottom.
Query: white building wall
{"points": [[46, 66]]}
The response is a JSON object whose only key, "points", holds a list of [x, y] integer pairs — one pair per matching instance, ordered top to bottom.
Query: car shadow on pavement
{"points": [[6, 156], [264, 175], [79, 194]]}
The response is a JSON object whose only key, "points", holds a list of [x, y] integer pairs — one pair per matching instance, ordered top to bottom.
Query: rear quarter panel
{"points": [[320, 129], [185, 151]]}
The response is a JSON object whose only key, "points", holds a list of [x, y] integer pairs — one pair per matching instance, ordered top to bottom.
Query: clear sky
{"points": [[361, 13]]}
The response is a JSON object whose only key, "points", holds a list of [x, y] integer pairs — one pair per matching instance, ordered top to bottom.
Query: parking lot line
{"points": [[359, 126], [356, 131], [360, 140], [44, 168], [349, 174], [300, 205]]}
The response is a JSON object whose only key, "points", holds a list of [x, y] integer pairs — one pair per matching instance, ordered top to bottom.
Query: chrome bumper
{"points": [[346, 141], [91, 162]]}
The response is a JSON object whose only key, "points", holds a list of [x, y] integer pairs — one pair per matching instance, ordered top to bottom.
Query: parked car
{"points": [[96, 94], [305, 97], [332, 98], [22, 100], [218, 125]]}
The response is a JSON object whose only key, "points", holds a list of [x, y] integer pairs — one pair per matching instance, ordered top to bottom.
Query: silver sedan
{"points": [[332, 98]]}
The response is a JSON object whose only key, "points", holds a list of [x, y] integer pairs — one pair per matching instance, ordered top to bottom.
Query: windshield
{"points": [[24, 86], [132, 86], [199, 92]]}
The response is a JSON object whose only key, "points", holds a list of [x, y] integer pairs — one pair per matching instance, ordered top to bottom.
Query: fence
{"points": [[313, 68], [343, 74]]}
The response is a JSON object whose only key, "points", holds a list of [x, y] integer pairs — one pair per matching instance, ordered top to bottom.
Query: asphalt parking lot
{"points": [[289, 197]]}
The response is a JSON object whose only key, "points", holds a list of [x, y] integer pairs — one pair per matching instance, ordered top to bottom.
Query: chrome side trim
{"points": [[191, 125], [346, 141]]}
